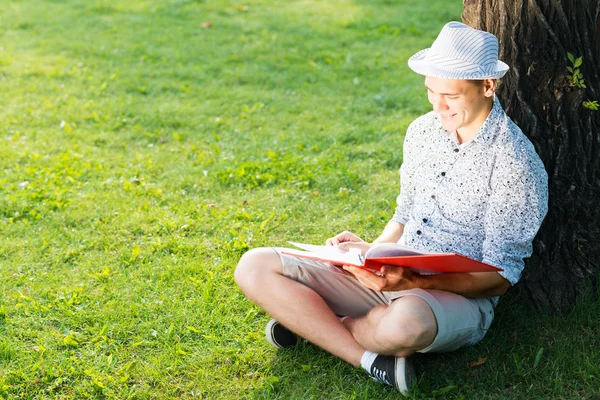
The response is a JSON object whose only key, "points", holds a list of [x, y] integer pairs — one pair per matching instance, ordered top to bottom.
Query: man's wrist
{"points": [[423, 281]]}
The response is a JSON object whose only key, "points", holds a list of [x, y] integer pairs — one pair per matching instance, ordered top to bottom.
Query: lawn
{"points": [[145, 145]]}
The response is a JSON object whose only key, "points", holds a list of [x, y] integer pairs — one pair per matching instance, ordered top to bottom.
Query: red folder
{"points": [[397, 255], [444, 262]]}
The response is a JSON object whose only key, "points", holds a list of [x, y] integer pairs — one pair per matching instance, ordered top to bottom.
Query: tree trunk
{"points": [[535, 36]]}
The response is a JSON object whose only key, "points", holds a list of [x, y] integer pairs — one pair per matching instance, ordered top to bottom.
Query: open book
{"points": [[392, 254]]}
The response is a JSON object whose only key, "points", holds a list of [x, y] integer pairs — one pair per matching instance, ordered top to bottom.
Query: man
{"points": [[471, 183]]}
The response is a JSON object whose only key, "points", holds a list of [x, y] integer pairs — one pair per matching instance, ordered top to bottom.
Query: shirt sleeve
{"points": [[405, 199], [518, 203]]}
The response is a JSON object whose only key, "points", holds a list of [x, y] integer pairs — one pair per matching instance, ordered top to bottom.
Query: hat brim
{"points": [[422, 66]]}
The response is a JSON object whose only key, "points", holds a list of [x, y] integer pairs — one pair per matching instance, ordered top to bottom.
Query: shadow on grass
{"points": [[525, 355]]}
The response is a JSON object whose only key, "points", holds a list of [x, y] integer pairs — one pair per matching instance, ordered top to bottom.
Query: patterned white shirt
{"points": [[485, 198]]}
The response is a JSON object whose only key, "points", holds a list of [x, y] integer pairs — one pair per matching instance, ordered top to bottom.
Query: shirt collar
{"points": [[492, 125]]}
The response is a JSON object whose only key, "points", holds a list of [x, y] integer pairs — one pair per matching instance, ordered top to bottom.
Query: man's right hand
{"points": [[342, 238]]}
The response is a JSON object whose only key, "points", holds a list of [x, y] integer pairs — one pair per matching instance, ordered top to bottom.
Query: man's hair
{"points": [[475, 81], [479, 82]]}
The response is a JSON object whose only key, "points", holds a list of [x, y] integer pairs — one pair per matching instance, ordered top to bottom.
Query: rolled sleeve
{"points": [[405, 199], [517, 206]]}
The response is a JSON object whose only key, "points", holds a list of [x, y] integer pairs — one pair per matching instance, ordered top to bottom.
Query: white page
{"points": [[393, 250], [332, 253]]}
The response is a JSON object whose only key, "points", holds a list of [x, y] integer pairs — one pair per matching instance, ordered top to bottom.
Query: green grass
{"points": [[141, 154]]}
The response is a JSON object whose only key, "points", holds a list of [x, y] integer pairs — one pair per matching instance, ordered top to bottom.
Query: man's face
{"points": [[462, 105]]}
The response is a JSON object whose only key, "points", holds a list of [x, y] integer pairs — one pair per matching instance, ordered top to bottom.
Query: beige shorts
{"points": [[461, 321]]}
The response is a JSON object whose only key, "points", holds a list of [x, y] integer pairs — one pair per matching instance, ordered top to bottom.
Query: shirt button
{"points": [[456, 150], [443, 174], [425, 220], [419, 232]]}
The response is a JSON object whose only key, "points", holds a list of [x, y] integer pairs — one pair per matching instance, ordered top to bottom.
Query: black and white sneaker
{"points": [[279, 336], [397, 372]]}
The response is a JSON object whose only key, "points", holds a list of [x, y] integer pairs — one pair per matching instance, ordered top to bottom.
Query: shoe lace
{"points": [[379, 375]]}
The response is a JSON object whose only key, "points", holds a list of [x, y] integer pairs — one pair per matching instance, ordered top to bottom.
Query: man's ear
{"points": [[489, 87]]}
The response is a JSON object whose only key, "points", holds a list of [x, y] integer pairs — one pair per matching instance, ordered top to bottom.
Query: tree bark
{"points": [[534, 38]]}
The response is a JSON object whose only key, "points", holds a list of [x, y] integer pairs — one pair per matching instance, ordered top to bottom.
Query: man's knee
{"points": [[253, 265], [408, 324]]}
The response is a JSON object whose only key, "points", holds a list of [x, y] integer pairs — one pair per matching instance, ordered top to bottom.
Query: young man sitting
{"points": [[471, 183]]}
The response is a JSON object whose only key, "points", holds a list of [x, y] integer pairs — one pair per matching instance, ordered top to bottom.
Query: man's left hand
{"points": [[392, 279]]}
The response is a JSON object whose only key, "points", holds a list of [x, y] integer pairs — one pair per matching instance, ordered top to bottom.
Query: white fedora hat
{"points": [[460, 52]]}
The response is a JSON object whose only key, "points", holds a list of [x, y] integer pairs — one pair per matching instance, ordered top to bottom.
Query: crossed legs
{"points": [[399, 329]]}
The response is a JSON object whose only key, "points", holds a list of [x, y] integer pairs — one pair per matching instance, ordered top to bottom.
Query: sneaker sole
{"points": [[269, 333], [406, 375]]}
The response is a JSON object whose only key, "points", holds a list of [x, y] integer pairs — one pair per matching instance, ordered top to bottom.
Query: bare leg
{"points": [[299, 308], [402, 328]]}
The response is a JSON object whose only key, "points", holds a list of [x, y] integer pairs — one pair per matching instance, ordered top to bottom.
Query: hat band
{"points": [[456, 64]]}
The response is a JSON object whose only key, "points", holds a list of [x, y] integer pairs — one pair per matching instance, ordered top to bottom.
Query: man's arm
{"points": [[517, 205], [391, 234], [474, 284]]}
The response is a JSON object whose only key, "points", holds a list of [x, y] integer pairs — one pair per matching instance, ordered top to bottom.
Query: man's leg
{"points": [[304, 295], [298, 307], [424, 321], [407, 325], [400, 329]]}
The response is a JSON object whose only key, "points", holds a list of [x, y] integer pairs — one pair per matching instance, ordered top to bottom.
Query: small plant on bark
{"points": [[574, 76], [591, 105]]}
